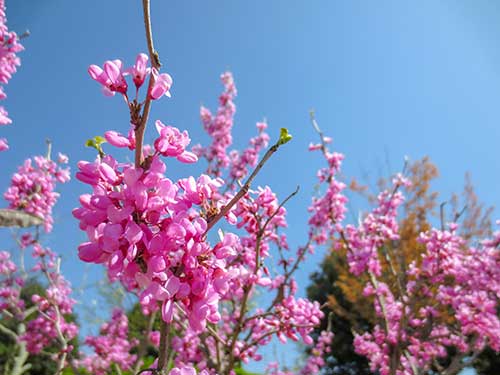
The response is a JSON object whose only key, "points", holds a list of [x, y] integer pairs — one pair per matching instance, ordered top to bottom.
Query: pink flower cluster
{"points": [[9, 47], [112, 77], [219, 128], [173, 143], [32, 187], [327, 210], [376, 229], [147, 232], [450, 273], [453, 275], [10, 286], [474, 293], [297, 317], [44, 325], [50, 325], [47, 327], [112, 346], [188, 347], [315, 361], [182, 370], [187, 370]]}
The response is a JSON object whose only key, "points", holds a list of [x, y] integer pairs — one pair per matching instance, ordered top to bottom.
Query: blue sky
{"points": [[387, 79]]}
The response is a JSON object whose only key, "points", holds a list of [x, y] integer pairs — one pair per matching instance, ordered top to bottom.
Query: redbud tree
{"points": [[162, 239]]}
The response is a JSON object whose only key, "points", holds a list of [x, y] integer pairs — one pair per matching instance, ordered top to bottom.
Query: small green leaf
{"points": [[284, 136], [99, 140], [96, 143]]}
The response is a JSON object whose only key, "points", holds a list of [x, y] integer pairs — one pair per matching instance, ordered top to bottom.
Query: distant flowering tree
{"points": [[9, 61], [31, 197], [156, 237], [344, 300], [445, 300], [112, 347]]}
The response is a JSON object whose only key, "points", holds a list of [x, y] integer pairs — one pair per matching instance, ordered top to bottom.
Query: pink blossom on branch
{"points": [[9, 61], [140, 70], [111, 77], [161, 86], [219, 128], [118, 140], [173, 143], [3, 144], [32, 187], [146, 230], [450, 274], [44, 326], [111, 347]]}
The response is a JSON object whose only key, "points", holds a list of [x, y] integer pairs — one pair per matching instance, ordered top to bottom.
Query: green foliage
{"points": [[284, 136], [96, 143], [31, 287], [138, 325], [7, 346], [342, 358], [488, 362], [242, 371]]}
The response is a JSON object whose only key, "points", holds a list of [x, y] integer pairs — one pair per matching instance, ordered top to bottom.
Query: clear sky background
{"points": [[387, 79]]}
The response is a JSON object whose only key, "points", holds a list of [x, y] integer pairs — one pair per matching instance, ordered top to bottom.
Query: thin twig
{"points": [[153, 54], [140, 127], [49, 148], [244, 189], [290, 196], [458, 214], [441, 215], [260, 234]]}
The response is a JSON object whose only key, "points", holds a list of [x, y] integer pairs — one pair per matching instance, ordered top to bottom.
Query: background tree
{"points": [[341, 293], [40, 363]]}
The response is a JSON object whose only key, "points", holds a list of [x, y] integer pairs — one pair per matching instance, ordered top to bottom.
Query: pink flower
{"points": [[140, 69], [111, 78], [161, 86], [4, 117], [219, 128], [118, 140], [173, 143], [3, 144], [62, 158], [185, 370]]}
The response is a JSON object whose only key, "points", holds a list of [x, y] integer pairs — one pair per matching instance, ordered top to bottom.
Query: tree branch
{"points": [[140, 128], [244, 189], [164, 346]]}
